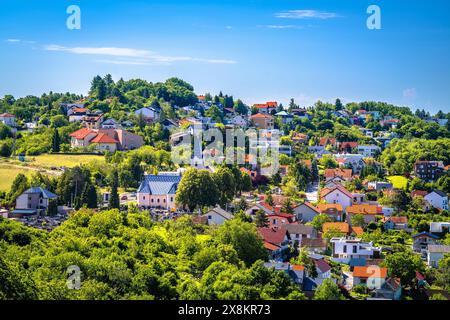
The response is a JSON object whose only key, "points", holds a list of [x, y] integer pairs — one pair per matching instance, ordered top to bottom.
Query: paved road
{"points": [[312, 192]]}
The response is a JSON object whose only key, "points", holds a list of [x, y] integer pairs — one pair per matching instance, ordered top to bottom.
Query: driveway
{"points": [[312, 191]]}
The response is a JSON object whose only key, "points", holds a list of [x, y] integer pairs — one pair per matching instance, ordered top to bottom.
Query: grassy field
{"points": [[62, 160], [8, 173], [399, 182]]}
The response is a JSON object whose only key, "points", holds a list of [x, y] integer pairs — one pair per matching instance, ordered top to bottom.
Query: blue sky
{"points": [[256, 50]]}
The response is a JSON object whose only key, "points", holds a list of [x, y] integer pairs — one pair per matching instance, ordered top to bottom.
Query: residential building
{"points": [[266, 108], [149, 113], [77, 114], [285, 117], [8, 119], [92, 121], [262, 121], [110, 124], [106, 139], [348, 146], [369, 151], [353, 161], [428, 170], [344, 174], [379, 186], [158, 191], [337, 195], [437, 199], [33, 201], [332, 210], [368, 211], [306, 212], [218, 216], [280, 219], [395, 223], [440, 227], [298, 232], [422, 240], [276, 241], [346, 248], [436, 253], [371, 276]]}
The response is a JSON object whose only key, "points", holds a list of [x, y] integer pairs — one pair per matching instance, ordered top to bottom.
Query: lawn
{"points": [[62, 160], [8, 173], [399, 182]]}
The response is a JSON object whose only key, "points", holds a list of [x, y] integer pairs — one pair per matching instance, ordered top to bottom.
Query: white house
{"points": [[149, 113], [8, 119], [239, 120], [110, 124], [369, 151], [354, 161], [337, 195], [437, 199], [306, 212], [218, 216], [439, 227], [299, 232], [347, 248], [436, 253]]}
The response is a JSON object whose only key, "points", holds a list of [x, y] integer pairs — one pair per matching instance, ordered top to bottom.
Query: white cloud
{"points": [[306, 14], [289, 26], [228, 27], [13, 40], [146, 57], [410, 93]]}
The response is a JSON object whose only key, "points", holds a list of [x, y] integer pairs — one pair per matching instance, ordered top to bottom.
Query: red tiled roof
{"points": [[80, 110], [7, 115], [261, 116], [82, 133], [103, 138], [325, 141], [343, 173], [326, 191], [419, 193], [309, 205], [324, 207], [362, 209], [396, 219], [343, 227], [357, 230], [273, 235], [270, 246], [322, 265], [370, 271]]}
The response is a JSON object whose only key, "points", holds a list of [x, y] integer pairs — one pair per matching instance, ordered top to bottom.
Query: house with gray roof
{"points": [[158, 191], [34, 201], [218, 216], [435, 253]]}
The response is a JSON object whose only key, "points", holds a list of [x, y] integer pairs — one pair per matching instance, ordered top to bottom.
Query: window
{"points": [[209, 217], [345, 249], [355, 249]]}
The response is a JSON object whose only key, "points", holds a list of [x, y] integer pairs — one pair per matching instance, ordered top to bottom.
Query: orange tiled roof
{"points": [[261, 116], [82, 133], [103, 138], [343, 173], [326, 191], [324, 207], [362, 209], [396, 219], [339, 226], [357, 230], [297, 267], [370, 271]]}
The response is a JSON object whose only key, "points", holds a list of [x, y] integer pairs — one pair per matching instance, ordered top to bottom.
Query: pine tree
{"points": [[56, 141], [89, 196], [114, 201], [261, 219]]}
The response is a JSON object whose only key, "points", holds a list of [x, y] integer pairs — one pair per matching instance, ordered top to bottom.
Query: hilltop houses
{"points": [[106, 139], [33, 201]]}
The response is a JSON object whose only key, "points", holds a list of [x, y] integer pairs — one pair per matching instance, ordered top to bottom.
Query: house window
{"points": [[143, 198], [171, 199], [153, 200], [157, 200], [209, 217], [345, 249], [354, 249]]}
